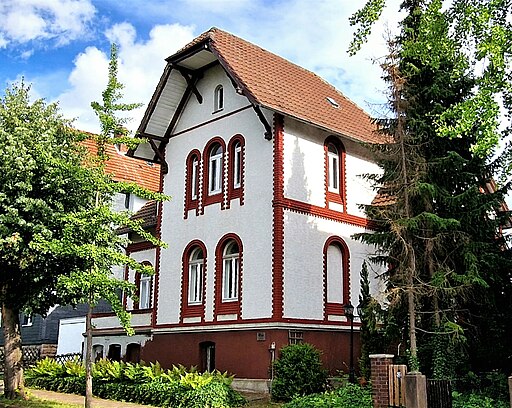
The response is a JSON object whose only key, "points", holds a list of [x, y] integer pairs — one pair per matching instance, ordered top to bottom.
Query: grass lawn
{"points": [[34, 403], [37, 403]]}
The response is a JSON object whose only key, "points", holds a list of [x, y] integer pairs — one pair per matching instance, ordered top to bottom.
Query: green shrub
{"points": [[298, 372], [146, 384], [348, 396], [473, 400]]}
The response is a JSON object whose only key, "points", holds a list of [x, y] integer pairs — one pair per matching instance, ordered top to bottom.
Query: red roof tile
{"points": [[277, 84], [124, 168], [148, 215]]}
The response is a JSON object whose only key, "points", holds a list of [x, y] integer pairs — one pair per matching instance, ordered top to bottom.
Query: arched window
{"points": [[218, 98], [236, 149], [237, 164], [334, 168], [215, 170], [334, 174], [194, 178], [192, 181], [230, 272], [228, 276], [336, 276], [195, 277], [144, 285], [145, 292]]}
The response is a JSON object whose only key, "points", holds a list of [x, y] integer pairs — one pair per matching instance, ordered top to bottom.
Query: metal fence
{"points": [[63, 358], [439, 393]]}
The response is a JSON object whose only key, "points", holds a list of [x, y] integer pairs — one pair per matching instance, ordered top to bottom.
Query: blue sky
{"points": [[61, 46]]}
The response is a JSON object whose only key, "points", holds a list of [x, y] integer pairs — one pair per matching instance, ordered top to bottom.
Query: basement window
{"points": [[295, 337]]}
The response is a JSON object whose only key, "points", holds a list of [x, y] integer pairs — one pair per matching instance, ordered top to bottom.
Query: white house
{"points": [[262, 159]]}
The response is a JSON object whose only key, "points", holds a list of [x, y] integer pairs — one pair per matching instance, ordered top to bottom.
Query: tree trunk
{"points": [[88, 358], [13, 373]]}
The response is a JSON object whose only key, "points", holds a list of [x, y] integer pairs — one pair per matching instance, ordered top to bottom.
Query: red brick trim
{"points": [[234, 193], [219, 197], [191, 203], [309, 209], [278, 219], [157, 254], [231, 307], [337, 308], [186, 309]]}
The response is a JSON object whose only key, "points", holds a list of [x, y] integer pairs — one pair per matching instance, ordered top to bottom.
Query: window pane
{"points": [[333, 170], [335, 173], [215, 174], [237, 177], [194, 181], [334, 274], [195, 283], [145, 293]]}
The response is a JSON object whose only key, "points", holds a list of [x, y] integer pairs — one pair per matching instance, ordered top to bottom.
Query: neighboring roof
{"points": [[267, 80], [124, 168], [382, 199], [148, 215]]}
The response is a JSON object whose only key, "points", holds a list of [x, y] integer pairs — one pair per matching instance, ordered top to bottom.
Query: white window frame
{"points": [[218, 98], [237, 165], [333, 168], [215, 171], [195, 178], [230, 274], [195, 277], [145, 292], [27, 321]]}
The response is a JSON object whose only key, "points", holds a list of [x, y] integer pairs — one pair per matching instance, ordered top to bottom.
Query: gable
{"points": [[265, 79]]}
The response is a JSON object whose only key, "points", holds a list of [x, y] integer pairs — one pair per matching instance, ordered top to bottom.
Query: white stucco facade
{"points": [[211, 226]]}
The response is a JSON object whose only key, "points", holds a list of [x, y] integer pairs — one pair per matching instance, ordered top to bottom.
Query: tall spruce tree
{"points": [[439, 228]]}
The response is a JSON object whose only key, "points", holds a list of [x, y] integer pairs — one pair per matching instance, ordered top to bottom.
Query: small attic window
{"points": [[218, 99], [333, 102]]}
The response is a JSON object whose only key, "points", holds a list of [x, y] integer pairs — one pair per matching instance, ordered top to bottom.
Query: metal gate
{"points": [[396, 389], [439, 394]]}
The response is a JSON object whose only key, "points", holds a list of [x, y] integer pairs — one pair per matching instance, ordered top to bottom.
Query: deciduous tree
{"points": [[42, 182]]}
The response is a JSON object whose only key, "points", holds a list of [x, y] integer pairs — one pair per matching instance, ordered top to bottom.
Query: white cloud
{"points": [[22, 21], [140, 65]]}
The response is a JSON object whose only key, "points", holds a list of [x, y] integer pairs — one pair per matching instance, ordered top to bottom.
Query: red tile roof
{"points": [[277, 84], [124, 168], [148, 215]]}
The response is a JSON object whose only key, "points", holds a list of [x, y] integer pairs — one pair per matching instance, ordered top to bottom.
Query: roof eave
{"points": [[319, 126]]}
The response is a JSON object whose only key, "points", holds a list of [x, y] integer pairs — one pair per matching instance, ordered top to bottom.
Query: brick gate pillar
{"points": [[380, 379], [510, 389]]}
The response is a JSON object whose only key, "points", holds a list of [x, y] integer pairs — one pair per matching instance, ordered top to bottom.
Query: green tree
{"points": [[42, 182], [439, 231], [101, 247], [371, 315]]}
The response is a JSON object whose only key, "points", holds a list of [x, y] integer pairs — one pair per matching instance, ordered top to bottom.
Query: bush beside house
{"points": [[144, 384]]}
